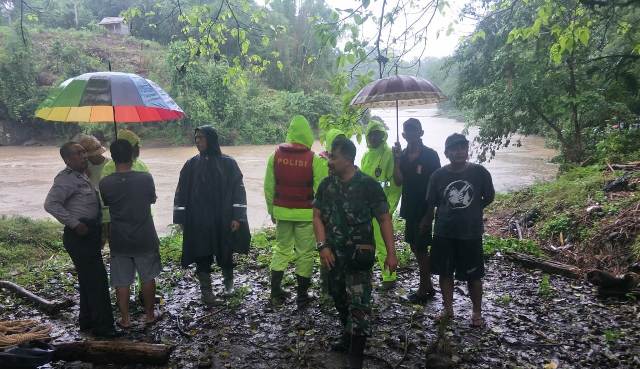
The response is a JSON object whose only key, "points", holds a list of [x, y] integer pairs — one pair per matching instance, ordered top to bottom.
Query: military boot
{"points": [[227, 276], [206, 290], [278, 295], [303, 298], [355, 356]]}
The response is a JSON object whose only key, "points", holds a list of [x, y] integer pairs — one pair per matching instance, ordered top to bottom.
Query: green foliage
{"points": [[69, 61], [552, 67], [19, 94], [248, 113], [349, 120], [619, 146], [555, 226], [35, 233], [262, 242], [491, 245], [171, 247], [31, 251], [404, 255], [545, 289], [238, 297], [504, 299], [612, 335]]}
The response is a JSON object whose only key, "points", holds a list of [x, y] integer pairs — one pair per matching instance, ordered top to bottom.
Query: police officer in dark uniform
{"points": [[74, 202]]}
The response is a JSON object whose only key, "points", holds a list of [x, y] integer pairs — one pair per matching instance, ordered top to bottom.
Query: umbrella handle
{"points": [[397, 122], [115, 126]]}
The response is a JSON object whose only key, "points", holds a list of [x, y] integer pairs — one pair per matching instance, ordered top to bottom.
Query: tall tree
{"points": [[550, 67]]}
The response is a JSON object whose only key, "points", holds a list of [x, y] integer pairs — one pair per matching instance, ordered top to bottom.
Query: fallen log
{"points": [[635, 165], [547, 266], [610, 285], [50, 307], [113, 352]]}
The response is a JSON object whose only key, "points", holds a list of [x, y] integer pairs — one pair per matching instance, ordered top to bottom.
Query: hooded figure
{"points": [[331, 135], [378, 163], [292, 177], [211, 206]]}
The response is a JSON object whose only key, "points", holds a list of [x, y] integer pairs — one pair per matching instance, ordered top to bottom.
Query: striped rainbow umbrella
{"points": [[109, 97]]}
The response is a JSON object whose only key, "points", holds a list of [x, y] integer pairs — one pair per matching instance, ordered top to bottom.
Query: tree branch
{"points": [[379, 58], [548, 121]]}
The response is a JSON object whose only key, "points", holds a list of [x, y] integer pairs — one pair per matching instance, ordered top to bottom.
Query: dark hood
{"points": [[213, 147]]}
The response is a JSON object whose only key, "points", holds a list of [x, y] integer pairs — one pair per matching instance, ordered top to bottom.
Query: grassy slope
{"points": [[564, 228]]}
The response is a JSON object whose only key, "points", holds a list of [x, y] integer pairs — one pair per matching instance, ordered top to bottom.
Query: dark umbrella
{"points": [[398, 91]]}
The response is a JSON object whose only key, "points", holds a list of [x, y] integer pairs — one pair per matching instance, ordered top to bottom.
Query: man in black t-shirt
{"points": [[412, 170], [459, 191], [133, 240]]}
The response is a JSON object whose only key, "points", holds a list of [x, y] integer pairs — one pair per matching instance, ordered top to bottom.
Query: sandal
{"points": [[123, 326]]}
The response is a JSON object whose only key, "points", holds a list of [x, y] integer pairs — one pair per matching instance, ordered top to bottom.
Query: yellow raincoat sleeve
{"points": [[320, 171], [269, 185], [392, 191]]}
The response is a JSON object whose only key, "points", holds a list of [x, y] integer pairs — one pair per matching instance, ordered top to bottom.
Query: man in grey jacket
{"points": [[74, 202]]}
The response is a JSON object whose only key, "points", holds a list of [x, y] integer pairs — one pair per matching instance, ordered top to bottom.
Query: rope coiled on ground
{"points": [[20, 331]]}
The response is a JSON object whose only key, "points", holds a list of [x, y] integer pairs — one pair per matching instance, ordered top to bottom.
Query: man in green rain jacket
{"points": [[378, 163], [293, 175]]}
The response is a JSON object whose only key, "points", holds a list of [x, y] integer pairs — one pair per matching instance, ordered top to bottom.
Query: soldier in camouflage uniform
{"points": [[344, 207]]}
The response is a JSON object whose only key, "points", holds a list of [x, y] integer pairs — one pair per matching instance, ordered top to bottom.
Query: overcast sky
{"points": [[437, 46]]}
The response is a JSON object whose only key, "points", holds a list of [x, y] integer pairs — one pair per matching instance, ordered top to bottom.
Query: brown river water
{"points": [[26, 173]]}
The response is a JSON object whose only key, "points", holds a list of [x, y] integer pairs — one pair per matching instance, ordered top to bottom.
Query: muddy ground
{"points": [[532, 321]]}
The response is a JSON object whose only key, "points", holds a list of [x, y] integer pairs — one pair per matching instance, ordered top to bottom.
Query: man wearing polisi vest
{"points": [[378, 163], [293, 174]]}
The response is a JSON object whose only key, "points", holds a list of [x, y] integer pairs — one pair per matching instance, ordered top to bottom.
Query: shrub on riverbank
{"points": [[574, 219]]}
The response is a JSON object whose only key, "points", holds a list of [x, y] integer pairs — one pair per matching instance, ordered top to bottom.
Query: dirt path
{"points": [[528, 325]]}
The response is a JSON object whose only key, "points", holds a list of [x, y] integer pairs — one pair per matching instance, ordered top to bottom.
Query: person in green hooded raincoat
{"points": [[331, 135], [378, 163], [292, 177]]}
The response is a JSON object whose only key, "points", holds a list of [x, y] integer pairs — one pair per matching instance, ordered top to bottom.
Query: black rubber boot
{"points": [[227, 276], [207, 290], [278, 295], [303, 298], [356, 352]]}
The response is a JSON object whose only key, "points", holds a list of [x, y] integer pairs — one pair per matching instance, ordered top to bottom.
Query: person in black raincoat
{"points": [[210, 205]]}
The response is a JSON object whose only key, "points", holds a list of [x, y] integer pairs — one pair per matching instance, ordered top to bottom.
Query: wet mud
{"points": [[532, 321]]}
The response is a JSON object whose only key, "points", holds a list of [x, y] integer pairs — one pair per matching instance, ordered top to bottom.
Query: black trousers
{"points": [[95, 303]]}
